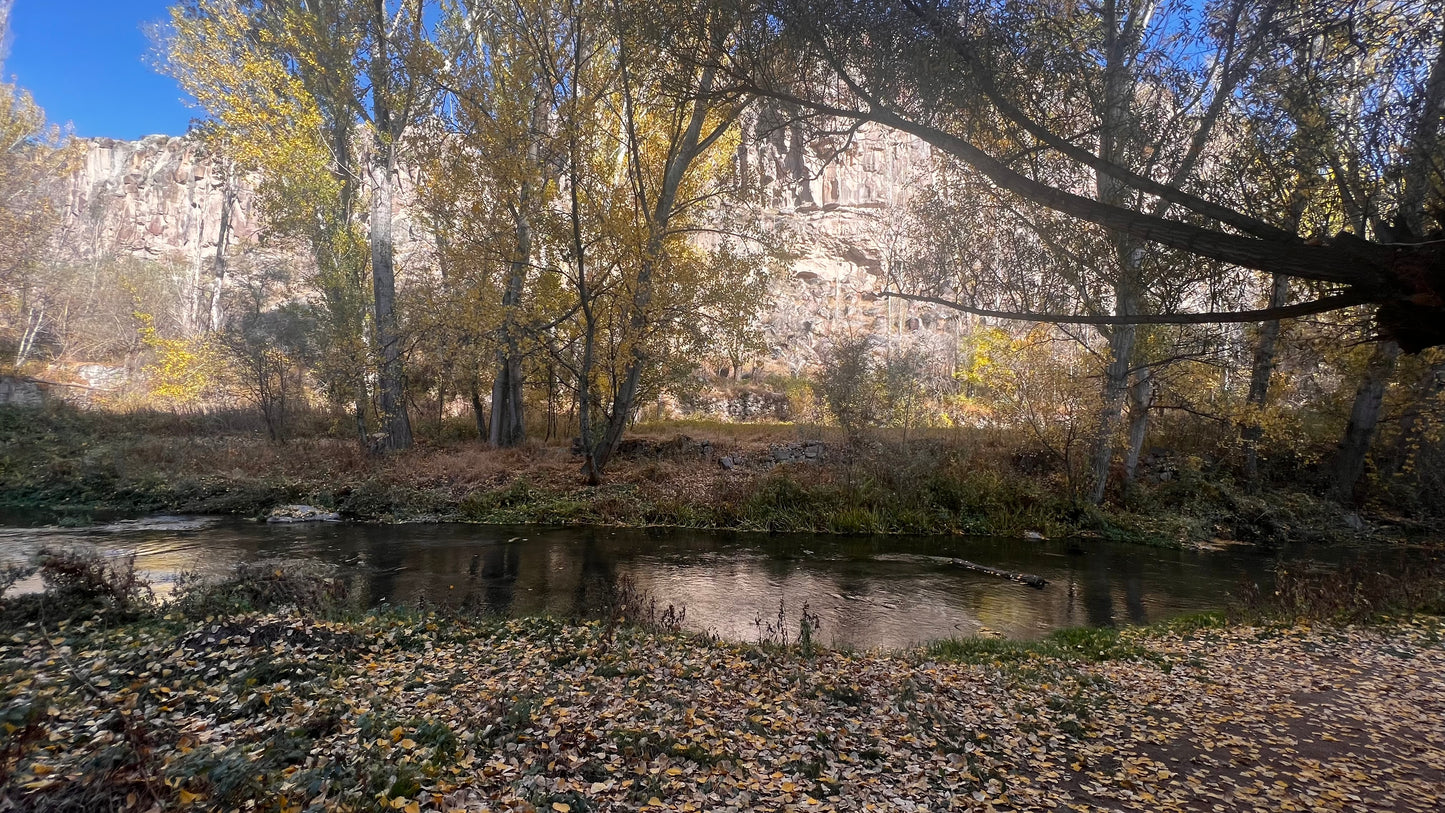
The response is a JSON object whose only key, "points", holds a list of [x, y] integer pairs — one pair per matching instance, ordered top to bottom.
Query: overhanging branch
{"points": [[1322, 305]]}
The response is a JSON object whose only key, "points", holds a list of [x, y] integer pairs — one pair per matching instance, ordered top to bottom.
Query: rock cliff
{"points": [[842, 197], [160, 198], [165, 199]]}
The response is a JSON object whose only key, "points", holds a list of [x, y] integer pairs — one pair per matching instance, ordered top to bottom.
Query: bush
{"points": [[80, 583], [260, 587]]}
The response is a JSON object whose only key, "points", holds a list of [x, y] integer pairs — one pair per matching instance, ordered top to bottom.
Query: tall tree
{"points": [[956, 74], [319, 95], [675, 111], [31, 153], [495, 176]]}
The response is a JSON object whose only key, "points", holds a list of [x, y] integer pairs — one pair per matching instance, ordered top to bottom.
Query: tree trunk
{"points": [[1114, 139], [686, 149], [223, 236], [584, 302], [34, 320], [1259, 379], [390, 384], [1116, 385], [1141, 397], [479, 411], [360, 413], [1364, 418], [508, 425], [507, 428]]}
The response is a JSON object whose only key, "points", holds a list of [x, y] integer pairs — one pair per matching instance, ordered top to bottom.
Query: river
{"points": [[867, 592]]}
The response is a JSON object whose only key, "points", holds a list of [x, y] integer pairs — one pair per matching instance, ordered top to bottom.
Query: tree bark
{"points": [[1114, 141], [223, 237], [1261, 371], [1116, 383], [390, 384], [1141, 397], [479, 411], [1364, 419], [509, 427]]}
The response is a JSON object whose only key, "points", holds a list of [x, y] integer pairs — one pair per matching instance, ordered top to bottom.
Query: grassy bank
{"points": [[75, 467], [266, 693]]}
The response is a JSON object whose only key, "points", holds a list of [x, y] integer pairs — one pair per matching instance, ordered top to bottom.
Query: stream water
{"points": [[867, 591]]}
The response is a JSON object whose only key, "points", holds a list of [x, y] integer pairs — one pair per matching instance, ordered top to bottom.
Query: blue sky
{"points": [[86, 63]]}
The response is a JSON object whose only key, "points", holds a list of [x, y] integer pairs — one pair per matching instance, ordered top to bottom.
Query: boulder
{"points": [[301, 513]]}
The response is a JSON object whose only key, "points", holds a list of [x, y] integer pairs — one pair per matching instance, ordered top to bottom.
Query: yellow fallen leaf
{"points": [[408, 743], [187, 797], [654, 802], [414, 807], [561, 807]]}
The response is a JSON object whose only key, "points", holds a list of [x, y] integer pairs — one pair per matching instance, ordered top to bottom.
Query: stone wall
{"points": [[843, 199]]}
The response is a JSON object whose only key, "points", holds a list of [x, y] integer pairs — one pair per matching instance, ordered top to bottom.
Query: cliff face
{"points": [[159, 198], [165, 198], [842, 198]]}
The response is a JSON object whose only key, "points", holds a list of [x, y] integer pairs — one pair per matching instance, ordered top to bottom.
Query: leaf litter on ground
{"points": [[420, 712]]}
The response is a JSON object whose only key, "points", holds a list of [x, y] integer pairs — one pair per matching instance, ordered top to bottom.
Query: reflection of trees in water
{"points": [[385, 558], [499, 567], [1101, 576], [726, 580], [597, 581], [1134, 596], [852, 618]]}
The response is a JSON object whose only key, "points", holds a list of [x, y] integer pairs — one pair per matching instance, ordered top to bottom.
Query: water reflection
{"points": [[868, 592]]}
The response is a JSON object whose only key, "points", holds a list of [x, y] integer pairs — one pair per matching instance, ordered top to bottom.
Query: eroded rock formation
{"points": [[840, 197], [160, 198]]}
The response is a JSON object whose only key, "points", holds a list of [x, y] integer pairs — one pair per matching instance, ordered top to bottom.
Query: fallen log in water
{"points": [[1030, 579]]}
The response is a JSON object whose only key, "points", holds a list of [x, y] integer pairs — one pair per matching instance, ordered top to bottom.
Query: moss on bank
{"points": [[74, 467]]}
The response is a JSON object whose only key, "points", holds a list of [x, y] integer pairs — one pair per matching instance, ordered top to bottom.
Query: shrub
{"points": [[80, 583], [260, 587]]}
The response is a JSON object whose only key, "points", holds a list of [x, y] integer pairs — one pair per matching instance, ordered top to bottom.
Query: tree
{"points": [[960, 75], [319, 96], [674, 115], [1108, 115], [31, 152], [492, 180], [268, 347], [1036, 382]]}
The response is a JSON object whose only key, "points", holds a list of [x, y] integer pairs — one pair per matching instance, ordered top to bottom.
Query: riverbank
{"points": [[73, 467], [205, 704]]}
